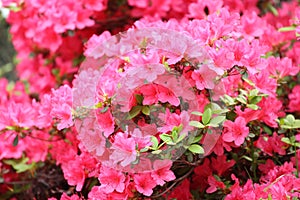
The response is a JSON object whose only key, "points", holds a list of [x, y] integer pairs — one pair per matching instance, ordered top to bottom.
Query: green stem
{"points": [[254, 161]]}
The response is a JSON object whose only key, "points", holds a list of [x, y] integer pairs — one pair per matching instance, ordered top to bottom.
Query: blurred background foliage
{"points": [[7, 52]]}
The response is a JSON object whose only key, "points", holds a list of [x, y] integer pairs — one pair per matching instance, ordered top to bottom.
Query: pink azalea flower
{"points": [[204, 77], [150, 94], [166, 95], [294, 97], [61, 102], [171, 120], [106, 122], [235, 131], [7, 150], [123, 150], [221, 165], [266, 167], [162, 172], [202, 172], [74, 173], [111, 179], [144, 183], [214, 185], [182, 191], [66, 197]]}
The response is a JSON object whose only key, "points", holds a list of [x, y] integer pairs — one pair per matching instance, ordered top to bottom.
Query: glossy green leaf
{"points": [[146, 110], [134, 111], [206, 116], [217, 120], [196, 124], [154, 142], [196, 148]]}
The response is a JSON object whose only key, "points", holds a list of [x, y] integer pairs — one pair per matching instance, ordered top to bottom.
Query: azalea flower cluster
{"points": [[202, 104]]}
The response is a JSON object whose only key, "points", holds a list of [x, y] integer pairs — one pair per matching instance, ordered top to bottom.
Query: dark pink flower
{"points": [[235, 131], [144, 183]]}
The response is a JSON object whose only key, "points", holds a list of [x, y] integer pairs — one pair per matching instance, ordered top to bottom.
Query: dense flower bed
{"points": [[155, 99]]}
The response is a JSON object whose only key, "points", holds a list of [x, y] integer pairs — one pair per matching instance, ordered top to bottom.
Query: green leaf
{"points": [[272, 9], [287, 28], [253, 93], [139, 98], [242, 99], [228, 100], [255, 100], [252, 106], [146, 110], [134, 111], [197, 113], [206, 116], [290, 119], [217, 120], [297, 123], [196, 124], [267, 130], [174, 135], [251, 135], [181, 137], [166, 138], [197, 139], [286, 140], [16, 141], [154, 142], [196, 148], [156, 152], [247, 158], [20, 165]]}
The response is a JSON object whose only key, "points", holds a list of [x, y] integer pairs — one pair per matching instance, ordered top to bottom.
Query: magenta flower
{"points": [[236, 131], [124, 151], [111, 179], [144, 183]]}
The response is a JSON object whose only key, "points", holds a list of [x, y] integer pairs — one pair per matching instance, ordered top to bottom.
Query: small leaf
{"points": [[273, 9], [287, 28], [253, 93], [139, 98], [242, 99], [228, 100], [255, 100], [252, 106], [146, 110], [135, 111], [197, 113], [206, 116], [290, 119], [217, 120], [297, 123], [196, 124], [174, 135], [251, 135], [181, 137], [166, 138], [197, 139], [286, 140], [16, 141], [154, 142], [196, 148], [156, 152], [247, 158], [20, 165]]}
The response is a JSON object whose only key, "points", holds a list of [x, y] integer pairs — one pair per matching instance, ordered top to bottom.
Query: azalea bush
{"points": [[144, 99]]}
